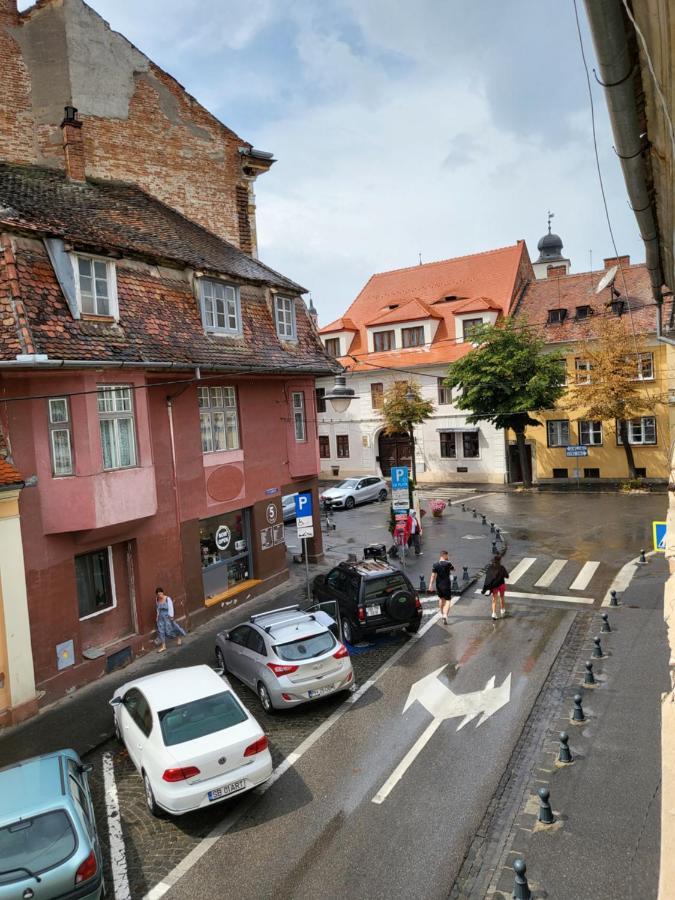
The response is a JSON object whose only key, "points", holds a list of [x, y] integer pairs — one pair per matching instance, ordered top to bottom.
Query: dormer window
{"points": [[96, 286], [221, 311], [583, 312], [556, 316], [284, 317], [469, 326], [413, 337], [384, 340], [332, 346]]}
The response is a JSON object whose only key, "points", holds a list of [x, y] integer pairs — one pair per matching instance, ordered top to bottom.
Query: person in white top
{"points": [[414, 532], [167, 627]]}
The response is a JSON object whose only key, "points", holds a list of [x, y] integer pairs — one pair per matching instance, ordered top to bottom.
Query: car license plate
{"points": [[373, 610], [320, 691], [220, 792]]}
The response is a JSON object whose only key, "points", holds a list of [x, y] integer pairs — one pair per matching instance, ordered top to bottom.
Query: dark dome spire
{"points": [[550, 246]]}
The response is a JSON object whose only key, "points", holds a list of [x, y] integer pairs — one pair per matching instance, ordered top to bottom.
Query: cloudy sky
{"points": [[439, 127]]}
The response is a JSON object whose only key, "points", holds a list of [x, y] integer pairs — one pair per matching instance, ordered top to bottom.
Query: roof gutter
{"points": [[617, 73], [43, 362]]}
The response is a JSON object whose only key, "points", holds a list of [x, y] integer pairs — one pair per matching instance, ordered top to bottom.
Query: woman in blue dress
{"points": [[167, 627]]}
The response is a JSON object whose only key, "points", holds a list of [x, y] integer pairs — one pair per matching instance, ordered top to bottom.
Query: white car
{"points": [[355, 490], [191, 739]]}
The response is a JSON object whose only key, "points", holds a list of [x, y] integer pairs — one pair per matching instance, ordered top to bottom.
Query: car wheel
{"points": [[382, 495], [350, 503], [414, 626], [350, 632], [220, 660], [265, 699], [150, 798]]}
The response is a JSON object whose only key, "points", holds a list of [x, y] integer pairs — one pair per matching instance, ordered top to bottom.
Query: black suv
{"points": [[372, 596]]}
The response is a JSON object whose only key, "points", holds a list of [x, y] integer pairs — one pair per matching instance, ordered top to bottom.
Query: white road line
{"points": [[467, 499], [521, 569], [588, 570], [551, 573], [624, 577], [559, 598], [406, 762], [118, 856], [159, 890]]}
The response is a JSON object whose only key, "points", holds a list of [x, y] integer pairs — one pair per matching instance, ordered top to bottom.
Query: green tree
{"points": [[506, 378], [402, 409]]}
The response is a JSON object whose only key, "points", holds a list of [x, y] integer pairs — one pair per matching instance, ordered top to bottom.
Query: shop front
{"points": [[225, 544]]}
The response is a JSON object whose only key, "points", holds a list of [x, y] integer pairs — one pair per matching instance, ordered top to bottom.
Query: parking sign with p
{"points": [[303, 514]]}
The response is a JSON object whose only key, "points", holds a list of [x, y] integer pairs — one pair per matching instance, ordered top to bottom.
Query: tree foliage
{"points": [[506, 378], [401, 414]]}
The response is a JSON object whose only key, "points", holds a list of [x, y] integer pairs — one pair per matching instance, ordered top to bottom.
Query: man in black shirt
{"points": [[441, 581]]}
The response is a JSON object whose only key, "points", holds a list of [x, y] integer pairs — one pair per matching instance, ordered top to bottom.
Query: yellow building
{"points": [[563, 307]]}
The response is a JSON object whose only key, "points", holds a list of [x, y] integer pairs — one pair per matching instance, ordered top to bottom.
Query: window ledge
{"points": [[92, 317], [225, 334], [221, 457]]}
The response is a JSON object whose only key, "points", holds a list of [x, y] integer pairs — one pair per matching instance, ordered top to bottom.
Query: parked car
{"points": [[354, 491], [288, 507], [373, 597], [286, 656], [190, 738], [49, 845]]}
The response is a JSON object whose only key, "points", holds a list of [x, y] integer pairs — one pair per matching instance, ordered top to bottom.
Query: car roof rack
{"points": [[368, 566], [274, 612], [286, 622]]}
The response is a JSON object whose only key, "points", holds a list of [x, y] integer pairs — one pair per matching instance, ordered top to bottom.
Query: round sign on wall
{"points": [[271, 513], [223, 537]]}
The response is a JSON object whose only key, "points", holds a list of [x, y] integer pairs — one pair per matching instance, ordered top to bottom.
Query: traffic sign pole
{"points": [[309, 592]]}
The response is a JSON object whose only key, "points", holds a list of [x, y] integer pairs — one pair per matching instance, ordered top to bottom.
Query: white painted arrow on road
{"points": [[443, 703]]}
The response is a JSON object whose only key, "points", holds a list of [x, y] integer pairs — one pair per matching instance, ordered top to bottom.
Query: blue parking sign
{"points": [[399, 478], [303, 504]]}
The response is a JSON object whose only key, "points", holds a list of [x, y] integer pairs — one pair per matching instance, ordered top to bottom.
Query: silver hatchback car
{"points": [[287, 657]]}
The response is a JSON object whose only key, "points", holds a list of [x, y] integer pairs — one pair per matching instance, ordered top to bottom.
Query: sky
{"points": [[440, 127]]}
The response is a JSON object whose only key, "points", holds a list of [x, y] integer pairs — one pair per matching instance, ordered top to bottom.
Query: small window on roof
{"points": [[96, 285], [393, 306], [556, 316]]}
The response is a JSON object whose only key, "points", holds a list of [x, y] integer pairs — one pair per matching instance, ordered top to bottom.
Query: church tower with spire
{"points": [[551, 261]]}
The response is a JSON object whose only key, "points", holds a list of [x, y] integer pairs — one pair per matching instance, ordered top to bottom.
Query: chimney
{"points": [[73, 145], [623, 261], [556, 271]]}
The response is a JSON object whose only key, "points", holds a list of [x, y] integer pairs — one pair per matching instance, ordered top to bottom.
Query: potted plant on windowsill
{"points": [[437, 507]]}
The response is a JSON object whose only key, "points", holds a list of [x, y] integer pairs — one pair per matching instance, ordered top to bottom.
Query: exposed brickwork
{"points": [[17, 124], [73, 149], [245, 237], [623, 261], [556, 271], [15, 333]]}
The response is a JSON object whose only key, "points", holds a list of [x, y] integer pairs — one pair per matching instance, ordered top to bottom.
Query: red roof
{"points": [[492, 280], [343, 324], [8, 474]]}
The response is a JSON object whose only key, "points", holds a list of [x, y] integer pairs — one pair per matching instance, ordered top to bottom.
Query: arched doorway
{"points": [[394, 450]]}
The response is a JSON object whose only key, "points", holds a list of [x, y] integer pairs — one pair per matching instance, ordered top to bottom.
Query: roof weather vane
{"points": [[550, 216]]}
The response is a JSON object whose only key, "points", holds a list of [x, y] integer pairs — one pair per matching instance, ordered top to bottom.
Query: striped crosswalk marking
{"points": [[521, 569], [588, 570], [551, 573], [557, 598]]}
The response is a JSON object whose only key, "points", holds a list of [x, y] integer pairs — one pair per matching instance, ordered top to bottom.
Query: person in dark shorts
{"points": [[441, 580], [495, 584]]}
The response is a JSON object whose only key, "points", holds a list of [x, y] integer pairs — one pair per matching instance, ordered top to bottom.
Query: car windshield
{"points": [[348, 484], [378, 587], [306, 648], [200, 717], [35, 844]]}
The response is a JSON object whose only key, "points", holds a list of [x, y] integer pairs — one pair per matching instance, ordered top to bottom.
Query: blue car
{"points": [[49, 844]]}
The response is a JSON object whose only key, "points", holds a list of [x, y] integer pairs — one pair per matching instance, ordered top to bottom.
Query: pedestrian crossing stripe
{"points": [[556, 598]]}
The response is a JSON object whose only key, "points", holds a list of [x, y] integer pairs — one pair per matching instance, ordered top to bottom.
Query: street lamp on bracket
{"points": [[340, 395]]}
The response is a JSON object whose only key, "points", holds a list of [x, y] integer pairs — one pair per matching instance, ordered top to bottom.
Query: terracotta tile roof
{"points": [[107, 216], [496, 274], [571, 291], [477, 304], [408, 312], [160, 321], [343, 324], [415, 357], [9, 475]]}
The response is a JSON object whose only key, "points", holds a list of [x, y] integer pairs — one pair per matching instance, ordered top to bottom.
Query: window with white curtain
{"points": [[218, 418], [116, 423], [60, 440]]}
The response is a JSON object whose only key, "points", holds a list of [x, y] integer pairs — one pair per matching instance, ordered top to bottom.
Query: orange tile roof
{"points": [[496, 276], [569, 291], [478, 304], [408, 312], [343, 324], [8, 474]]}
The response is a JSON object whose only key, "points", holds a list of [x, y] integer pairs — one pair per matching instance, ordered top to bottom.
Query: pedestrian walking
{"points": [[414, 533], [441, 580], [495, 584], [167, 627]]}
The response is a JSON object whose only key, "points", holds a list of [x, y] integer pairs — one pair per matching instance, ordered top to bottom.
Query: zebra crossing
{"points": [[543, 578]]}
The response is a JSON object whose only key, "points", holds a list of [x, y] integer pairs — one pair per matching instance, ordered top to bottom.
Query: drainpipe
{"points": [[617, 75], [176, 494]]}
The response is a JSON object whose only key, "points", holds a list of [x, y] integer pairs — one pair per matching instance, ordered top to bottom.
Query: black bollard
{"points": [[463, 508], [475, 514], [483, 519], [492, 527], [498, 534], [495, 548], [642, 559], [465, 573], [455, 583], [423, 585], [612, 599], [605, 624], [597, 649], [589, 677], [578, 711], [564, 752], [545, 812], [521, 889]]}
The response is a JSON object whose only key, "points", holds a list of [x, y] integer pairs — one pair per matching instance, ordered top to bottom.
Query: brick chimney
{"points": [[9, 14], [73, 145], [623, 261], [556, 271]]}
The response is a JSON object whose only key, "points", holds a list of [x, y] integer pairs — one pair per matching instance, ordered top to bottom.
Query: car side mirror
{"points": [[226, 635], [116, 701], [86, 768]]}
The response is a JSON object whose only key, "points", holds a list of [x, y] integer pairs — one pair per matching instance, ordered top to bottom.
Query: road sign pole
{"points": [[309, 592]]}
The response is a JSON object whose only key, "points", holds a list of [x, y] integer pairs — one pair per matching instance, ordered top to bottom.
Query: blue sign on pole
{"points": [[576, 450], [399, 478], [303, 504]]}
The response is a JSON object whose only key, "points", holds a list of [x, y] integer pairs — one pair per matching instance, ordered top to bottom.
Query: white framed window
{"points": [[96, 285], [221, 309], [284, 317], [469, 325], [412, 337], [384, 340], [645, 367], [583, 369], [444, 393], [218, 418], [299, 419], [116, 423], [640, 431], [558, 432], [590, 432], [60, 439], [448, 445], [470, 445], [95, 582]]}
